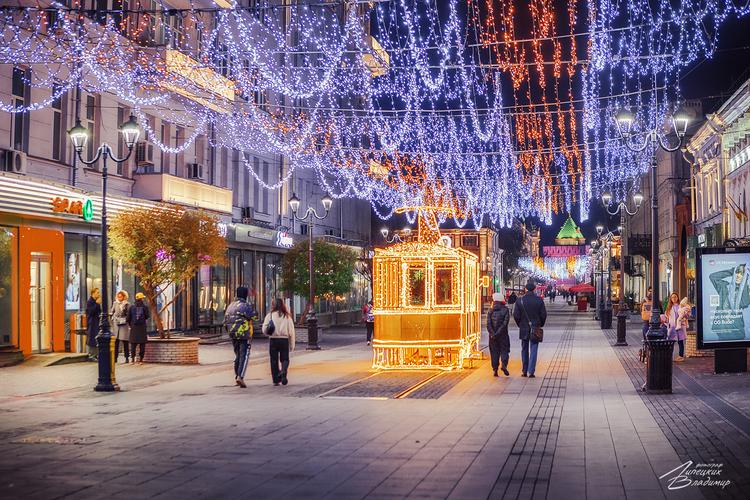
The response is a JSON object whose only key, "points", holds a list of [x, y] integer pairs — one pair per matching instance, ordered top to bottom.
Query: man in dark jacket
{"points": [[528, 313], [93, 317], [237, 320], [497, 327]]}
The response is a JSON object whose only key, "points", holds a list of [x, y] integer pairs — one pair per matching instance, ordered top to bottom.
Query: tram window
{"points": [[416, 286], [444, 286]]}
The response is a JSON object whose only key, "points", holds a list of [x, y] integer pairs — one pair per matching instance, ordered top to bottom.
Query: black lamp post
{"points": [[79, 135], [622, 209], [312, 214], [659, 372]]}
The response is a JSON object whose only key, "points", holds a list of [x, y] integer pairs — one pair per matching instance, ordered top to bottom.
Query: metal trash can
{"points": [[605, 318], [659, 366]]}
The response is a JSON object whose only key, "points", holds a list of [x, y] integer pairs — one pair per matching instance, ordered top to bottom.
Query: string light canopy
{"points": [[504, 109]]}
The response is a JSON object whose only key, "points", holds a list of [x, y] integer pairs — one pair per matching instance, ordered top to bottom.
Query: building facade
{"points": [[47, 248]]}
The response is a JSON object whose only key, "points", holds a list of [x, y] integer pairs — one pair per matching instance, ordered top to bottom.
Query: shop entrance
{"points": [[40, 295]]}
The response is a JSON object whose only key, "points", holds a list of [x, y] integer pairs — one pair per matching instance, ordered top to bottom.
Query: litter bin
{"points": [[582, 304], [605, 318], [659, 366]]}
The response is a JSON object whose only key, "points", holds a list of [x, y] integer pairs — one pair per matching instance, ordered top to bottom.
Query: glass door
{"points": [[40, 292]]}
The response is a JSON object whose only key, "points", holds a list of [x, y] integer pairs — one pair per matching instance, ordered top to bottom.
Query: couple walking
{"points": [[528, 313], [278, 325]]}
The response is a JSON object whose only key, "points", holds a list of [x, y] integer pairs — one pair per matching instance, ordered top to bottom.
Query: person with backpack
{"points": [[138, 315], [530, 315], [368, 316], [238, 320], [279, 325], [497, 327]]}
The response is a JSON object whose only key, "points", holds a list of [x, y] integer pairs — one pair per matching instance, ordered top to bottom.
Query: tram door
{"points": [[40, 294]]}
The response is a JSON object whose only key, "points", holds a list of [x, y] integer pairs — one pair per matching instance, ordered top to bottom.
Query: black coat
{"points": [[534, 311], [93, 315], [497, 326], [138, 329]]}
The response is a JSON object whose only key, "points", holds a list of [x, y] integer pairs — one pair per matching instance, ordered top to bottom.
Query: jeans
{"points": [[370, 329], [645, 329], [681, 346], [125, 349], [141, 351], [278, 351], [241, 356], [496, 356], [528, 360]]}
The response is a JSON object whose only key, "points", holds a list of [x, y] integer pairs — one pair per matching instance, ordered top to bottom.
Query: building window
{"points": [[175, 34], [90, 123], [58, 126], [20, 133], [179, 138], [165, 141], [256, 184], [265, 190], [303, 229]]}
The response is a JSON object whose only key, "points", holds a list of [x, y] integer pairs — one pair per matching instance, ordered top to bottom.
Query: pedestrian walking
{"points": [[646, 312], [529, 313], [119, 315], [138, 315], [368, 316], [93, 317], [677, 319], [238, 321], [279, 325], [497, 328]]}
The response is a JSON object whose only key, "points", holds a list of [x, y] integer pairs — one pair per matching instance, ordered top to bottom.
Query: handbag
{"points": [[270, 328], [537, 332]]}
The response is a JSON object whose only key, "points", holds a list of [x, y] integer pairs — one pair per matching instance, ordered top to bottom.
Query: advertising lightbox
{"points": [[723, 312]]}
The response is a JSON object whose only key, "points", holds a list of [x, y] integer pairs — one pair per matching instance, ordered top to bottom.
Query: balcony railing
{"points": [[188, 192]]}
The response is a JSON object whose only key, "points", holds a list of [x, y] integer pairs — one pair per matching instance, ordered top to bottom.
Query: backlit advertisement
{"points": [[723, 311]]}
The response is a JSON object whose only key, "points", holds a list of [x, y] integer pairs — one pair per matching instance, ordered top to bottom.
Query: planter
{"points": [[176, 350]]}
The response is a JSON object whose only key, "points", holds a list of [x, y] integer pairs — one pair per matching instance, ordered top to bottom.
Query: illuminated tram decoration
{"points": [[426, 302]]}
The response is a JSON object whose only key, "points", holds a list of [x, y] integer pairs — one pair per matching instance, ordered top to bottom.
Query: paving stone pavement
{"points": [[580, 427], [698, 431]]}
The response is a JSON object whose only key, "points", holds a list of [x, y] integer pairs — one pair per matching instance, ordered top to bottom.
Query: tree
{"points": [[511, 241], [163, 246], [333, 266]]}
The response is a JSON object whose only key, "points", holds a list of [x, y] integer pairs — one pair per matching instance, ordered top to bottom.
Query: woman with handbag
{"points": [[119, 314], [530, 314], [677, 314], [279, 325]]}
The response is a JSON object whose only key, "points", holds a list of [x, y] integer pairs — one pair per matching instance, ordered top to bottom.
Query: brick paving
{"points": [[579, 430], [696, 430], [526, 472]]}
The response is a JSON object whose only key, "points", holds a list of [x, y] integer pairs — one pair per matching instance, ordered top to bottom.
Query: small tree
{"points": [[163, 246], [333, 266]]}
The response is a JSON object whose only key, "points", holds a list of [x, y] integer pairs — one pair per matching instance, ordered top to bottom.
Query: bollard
{"points": [[605, 318], [113, 362], [659, 366]]}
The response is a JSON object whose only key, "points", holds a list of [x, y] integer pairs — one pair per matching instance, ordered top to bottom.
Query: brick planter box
{"points": [[690, 348], [177, 350]]}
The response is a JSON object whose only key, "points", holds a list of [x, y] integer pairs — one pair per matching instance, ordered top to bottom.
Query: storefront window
{"points": [[93, 265], [74, 271], [271, 278], [8, 280], [204, 295], [219, 302]]}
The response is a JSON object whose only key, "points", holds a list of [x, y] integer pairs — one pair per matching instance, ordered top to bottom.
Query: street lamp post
{"points": [[79, 135], [623, 210], [312, 214], [596, 247], [659, 372]]}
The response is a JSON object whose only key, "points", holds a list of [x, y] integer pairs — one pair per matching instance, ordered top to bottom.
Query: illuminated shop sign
{"points": [[83, 208], [283, 240]]}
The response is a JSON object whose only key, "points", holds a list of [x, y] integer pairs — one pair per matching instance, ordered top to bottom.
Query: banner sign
{"points": [[564, 250], [723, 312]]}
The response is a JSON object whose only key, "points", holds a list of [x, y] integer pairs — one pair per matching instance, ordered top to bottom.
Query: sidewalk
{"points": [[579, 430]]}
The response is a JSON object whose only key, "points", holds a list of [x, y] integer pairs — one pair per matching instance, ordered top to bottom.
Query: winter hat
{"points": [[530, 285], [242, 292], [497, 297]]}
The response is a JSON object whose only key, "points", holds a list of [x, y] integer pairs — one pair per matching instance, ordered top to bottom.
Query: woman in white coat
{"points": [[279, 326]]}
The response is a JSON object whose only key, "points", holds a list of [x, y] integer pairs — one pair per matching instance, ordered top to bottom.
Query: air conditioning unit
{"points": [[144, 154], [14, 161], [195, 171], [248, 214]]}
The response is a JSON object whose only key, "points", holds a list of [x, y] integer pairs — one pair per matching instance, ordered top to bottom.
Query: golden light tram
{"points": [[427, 306]]}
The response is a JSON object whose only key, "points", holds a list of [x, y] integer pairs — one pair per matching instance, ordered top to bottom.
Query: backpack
{"points": [[139, 315]]}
